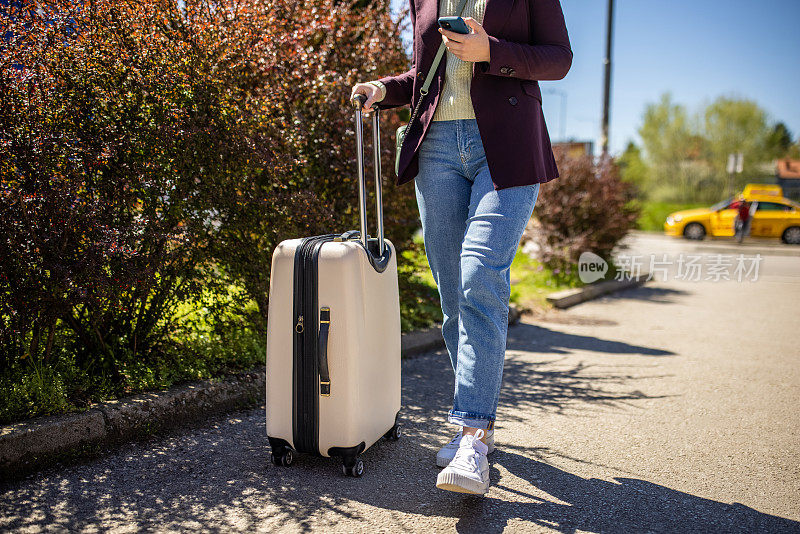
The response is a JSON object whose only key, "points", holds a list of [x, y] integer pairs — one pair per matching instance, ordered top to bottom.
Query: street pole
{"points": [[607, 81], [739, 163], [735, 166], [731, 168]]}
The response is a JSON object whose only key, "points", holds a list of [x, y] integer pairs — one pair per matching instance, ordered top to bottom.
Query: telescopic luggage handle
{"points": [[359, 100]]}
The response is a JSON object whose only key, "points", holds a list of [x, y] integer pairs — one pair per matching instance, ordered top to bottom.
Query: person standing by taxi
{"points": [[744, 218]]}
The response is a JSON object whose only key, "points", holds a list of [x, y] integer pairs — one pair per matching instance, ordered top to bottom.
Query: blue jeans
{"points": [[471, 234]]}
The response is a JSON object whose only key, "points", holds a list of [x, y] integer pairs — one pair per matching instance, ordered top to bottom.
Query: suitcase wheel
{"points": [[394, 433], [284, 458], [353, 467]]}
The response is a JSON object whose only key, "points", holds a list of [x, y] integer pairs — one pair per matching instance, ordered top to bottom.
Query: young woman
{"points": [[477, 154]]}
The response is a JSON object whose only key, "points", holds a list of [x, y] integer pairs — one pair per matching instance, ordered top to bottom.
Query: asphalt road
{"points": [[667, 408]]}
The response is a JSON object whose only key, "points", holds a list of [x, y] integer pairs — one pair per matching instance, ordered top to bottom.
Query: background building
{"points": [[787, 173]]}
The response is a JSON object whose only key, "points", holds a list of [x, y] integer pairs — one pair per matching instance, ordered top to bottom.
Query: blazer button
{"points": [[503, 70], [511, 72], [512, 100]]}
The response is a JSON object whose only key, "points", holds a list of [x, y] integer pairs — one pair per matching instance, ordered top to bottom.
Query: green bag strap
{"points": [[439, 53], [432, 71], [429, 78]]}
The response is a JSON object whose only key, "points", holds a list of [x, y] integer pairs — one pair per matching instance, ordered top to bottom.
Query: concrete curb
{"points": [[571, 297], [419, 341], [32, 445]]}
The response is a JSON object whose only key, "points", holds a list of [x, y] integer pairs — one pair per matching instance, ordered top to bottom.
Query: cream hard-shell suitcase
{"points": [[333, 339]]}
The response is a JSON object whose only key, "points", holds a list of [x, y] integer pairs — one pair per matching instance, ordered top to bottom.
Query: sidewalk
{"points": [[617, 415]]}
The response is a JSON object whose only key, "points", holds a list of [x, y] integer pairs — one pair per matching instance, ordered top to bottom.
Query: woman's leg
{"points": [[443, 196], [494, 227]]}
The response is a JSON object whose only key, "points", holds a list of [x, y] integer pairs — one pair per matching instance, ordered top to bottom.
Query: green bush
{"points": [[653, 214], [419, 302]]}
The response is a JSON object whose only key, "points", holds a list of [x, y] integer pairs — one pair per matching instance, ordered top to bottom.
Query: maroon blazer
{"points": [[528, 41]]}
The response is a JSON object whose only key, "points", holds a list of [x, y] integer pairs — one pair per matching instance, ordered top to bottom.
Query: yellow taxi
{"points": [[775, 216]]}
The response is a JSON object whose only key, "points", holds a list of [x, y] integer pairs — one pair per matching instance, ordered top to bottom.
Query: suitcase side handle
{"points": [[359, 101], [322, 351]]}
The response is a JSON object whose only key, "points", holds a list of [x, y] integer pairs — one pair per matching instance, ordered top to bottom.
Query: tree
{"points": [[732, 126], [670, 140], [780, 140], [794, 151], [688, 154], [632, 167]]}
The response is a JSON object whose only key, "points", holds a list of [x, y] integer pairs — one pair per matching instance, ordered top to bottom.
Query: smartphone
{"points": [[454, 24]]}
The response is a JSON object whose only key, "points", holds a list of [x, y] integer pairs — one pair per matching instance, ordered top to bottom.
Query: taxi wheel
{"points": [[694, 231], [791, 235]]}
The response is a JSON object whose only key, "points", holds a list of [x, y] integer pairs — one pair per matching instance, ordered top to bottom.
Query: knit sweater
{"points": [[455, 101]]}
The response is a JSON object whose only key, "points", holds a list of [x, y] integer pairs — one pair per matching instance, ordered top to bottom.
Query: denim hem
{"points": [[470, 419]]}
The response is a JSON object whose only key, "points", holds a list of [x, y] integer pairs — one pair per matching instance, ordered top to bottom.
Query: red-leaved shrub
{"points": [[154, 152], [587, 208]]}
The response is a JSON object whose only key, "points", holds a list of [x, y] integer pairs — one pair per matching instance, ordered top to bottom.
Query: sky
{"points": [[697, 50]]}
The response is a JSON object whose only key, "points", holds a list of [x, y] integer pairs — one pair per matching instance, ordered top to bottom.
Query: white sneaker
{"points": [[446, 453], [468, 472]]}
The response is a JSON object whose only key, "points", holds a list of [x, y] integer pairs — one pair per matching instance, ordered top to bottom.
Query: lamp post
{"points": [[607, 76]]}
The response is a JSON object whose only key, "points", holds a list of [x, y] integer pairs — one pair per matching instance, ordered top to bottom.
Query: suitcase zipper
{"points": [[305, 412]]}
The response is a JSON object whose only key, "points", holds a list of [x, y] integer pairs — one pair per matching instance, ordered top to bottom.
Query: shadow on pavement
{"points": [[662, 295], [537, 338], [226, 491], [621, 505]]}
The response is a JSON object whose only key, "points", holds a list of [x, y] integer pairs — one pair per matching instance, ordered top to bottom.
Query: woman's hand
{"points": [[472, 47], [371, 91]]}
